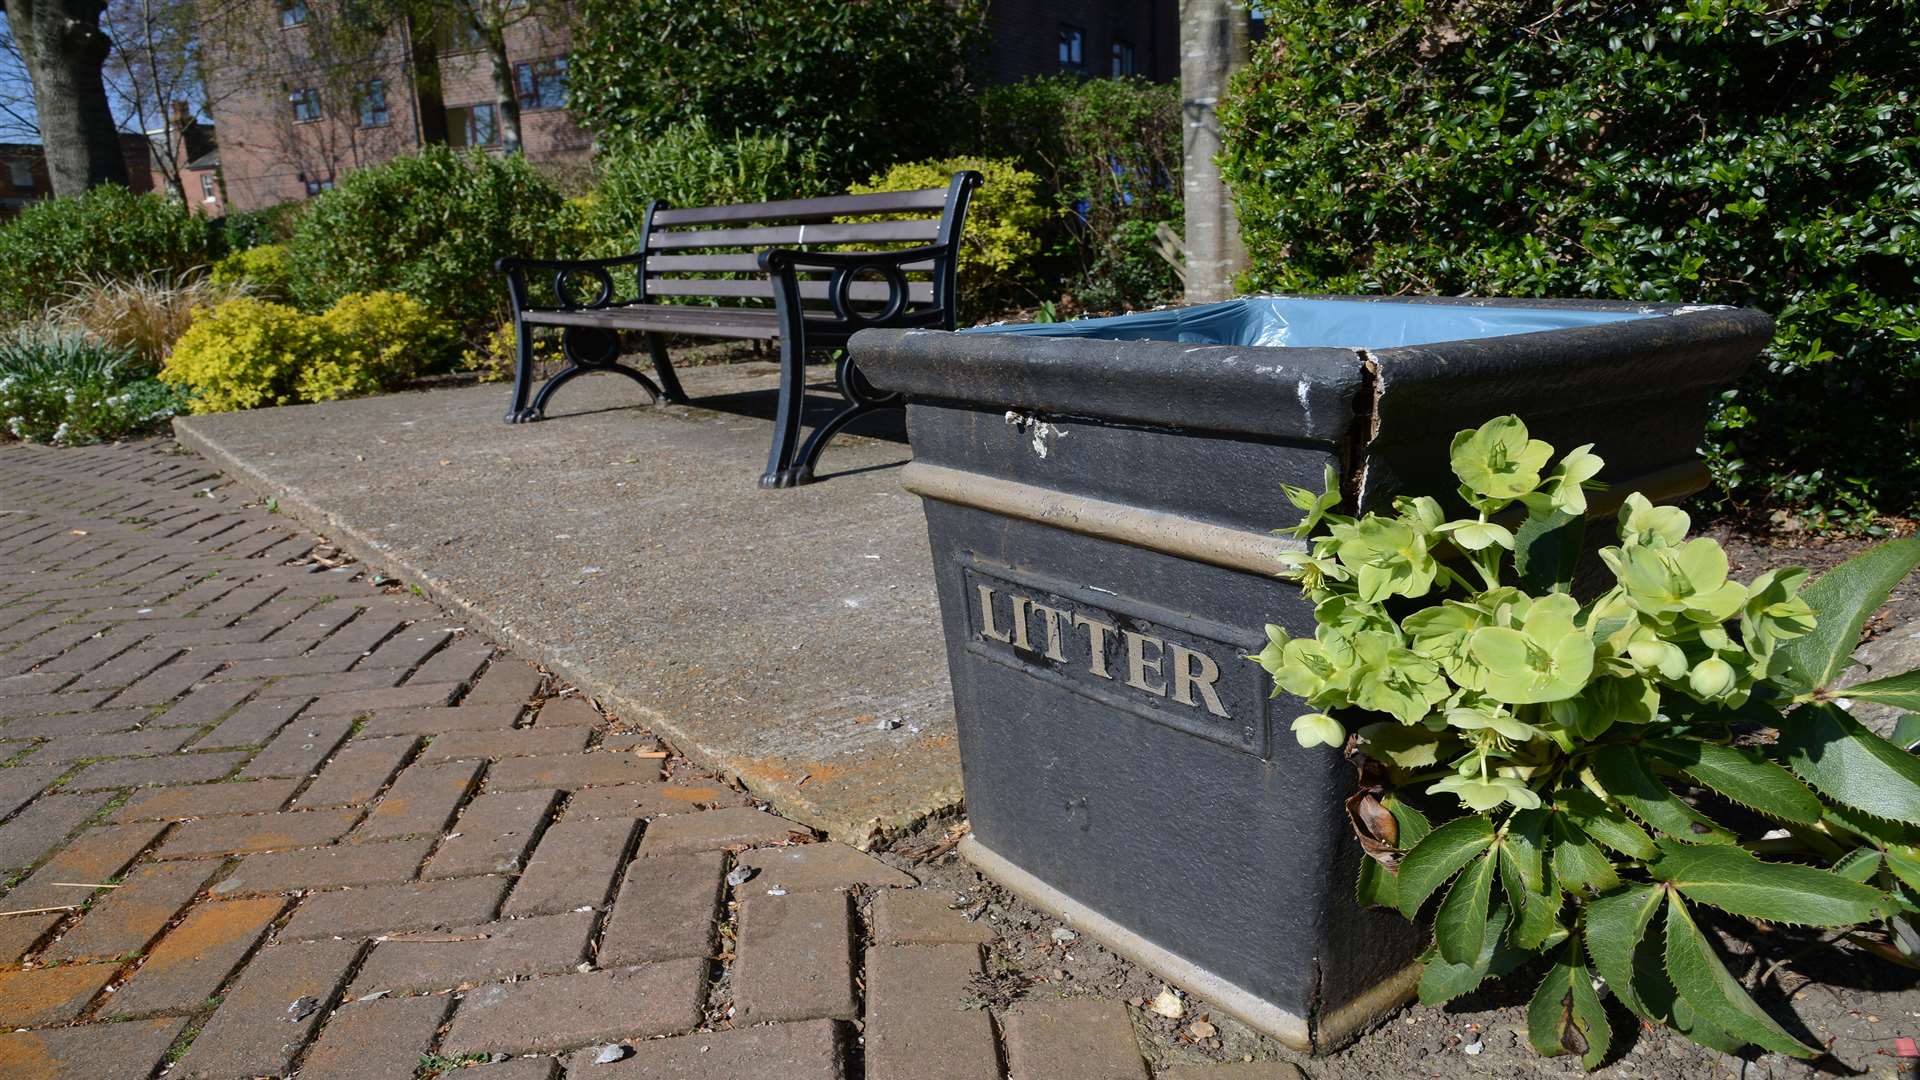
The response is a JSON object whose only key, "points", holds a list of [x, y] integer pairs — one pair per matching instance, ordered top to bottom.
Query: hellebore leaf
{"points": [[1498, 460], [1547, 548], [1844, 597], [1900, 691], [1851, 765], [1745, 776], [1627, 779], [1605, 824], [1524, 845], [1438, 857], [1578, 863], [1905, 864], [1859, 865], [1527, 876], [1735, 880], [1379, 886], [1461, 923], [1616, 924], [1444, 980], [1705, 985], [1566, 1016]]}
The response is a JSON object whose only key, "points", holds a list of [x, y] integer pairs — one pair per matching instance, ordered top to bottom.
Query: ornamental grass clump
{"points": [[1599, 777]]}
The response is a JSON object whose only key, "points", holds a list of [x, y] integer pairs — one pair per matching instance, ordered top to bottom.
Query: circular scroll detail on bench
{"points": [[563, 286], [840, 292], [590, 346]]}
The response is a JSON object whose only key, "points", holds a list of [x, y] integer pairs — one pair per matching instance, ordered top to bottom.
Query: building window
{"points": [[292, 13], [1073, 48], [1122, 58], [541, 84], [373, 103], [306, 105], [473, 125], [21, 173], [209, 187], [315, 187]]}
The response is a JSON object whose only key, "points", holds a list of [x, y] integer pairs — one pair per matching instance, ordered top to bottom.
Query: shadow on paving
{"points": [[790, 638]]}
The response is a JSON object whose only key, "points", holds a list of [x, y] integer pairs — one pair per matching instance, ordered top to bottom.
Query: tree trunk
{"points": [[1213, 44], [64, 50], [506, 96]]}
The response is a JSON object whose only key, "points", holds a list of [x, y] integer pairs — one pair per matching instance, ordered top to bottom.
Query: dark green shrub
{"points": [[863, 84], [1108, 151], [1720, 151], [689, 165], [429, 225], [246, 229], [108, 232]]}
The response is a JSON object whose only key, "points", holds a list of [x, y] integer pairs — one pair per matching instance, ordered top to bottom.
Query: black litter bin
{"points": [[1100, 497]]}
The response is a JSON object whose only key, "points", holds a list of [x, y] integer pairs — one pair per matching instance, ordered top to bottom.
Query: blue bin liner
{"points": [[1313, 323]]}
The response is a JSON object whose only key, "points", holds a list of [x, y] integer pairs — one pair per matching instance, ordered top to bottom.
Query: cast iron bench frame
{"points": [[785, 272]]}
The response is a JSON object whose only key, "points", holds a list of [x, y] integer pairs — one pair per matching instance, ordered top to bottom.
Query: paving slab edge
{"points": [[786, 798]]}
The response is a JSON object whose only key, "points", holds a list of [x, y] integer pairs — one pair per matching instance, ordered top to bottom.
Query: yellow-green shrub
{"points": [[1002, 234], [265, 270], [380, 340], [244, 353], [247, 353], [494, 359]]}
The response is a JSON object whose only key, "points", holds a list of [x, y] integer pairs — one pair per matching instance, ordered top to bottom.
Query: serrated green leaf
{"points": [[1546, 550], [1843, 598], [1900, 691], [1906, 731], [1851, 765], [1743, 775], [1627, 779], [1606, 824], [1414, 826], [1872, 829], [1523, 843], [1438, 857], [1578, 863], [1905, 864], [1859, 865], [1733, 879], [1378, 886], [1537, 911], [1461, 922], [1615, 926], [1443, 980], [1705, 985], [1565, 1015], [1688, 1022]]}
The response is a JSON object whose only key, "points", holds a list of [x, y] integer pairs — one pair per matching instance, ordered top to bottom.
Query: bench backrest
{"points": [[682, 248]]}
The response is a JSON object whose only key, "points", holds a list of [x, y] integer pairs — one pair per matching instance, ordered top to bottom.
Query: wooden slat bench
{"points": [[794, 251]]}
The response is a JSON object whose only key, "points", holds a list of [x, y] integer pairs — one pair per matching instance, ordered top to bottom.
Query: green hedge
{"points": [[1716, 151], [1108, 153], [690, 165], [430, 225], [108, 232]]}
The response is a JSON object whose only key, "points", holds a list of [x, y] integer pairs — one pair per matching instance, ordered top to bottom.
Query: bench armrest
{"points": [[779, 260], [564, 271]]}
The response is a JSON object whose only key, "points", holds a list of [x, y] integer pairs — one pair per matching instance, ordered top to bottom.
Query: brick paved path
{"points": [[259, 816]]}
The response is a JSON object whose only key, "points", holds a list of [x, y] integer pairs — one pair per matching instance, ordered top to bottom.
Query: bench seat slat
{"points": [[797, 209], [791, 235], [748, 263], [920, 292], [756, 323]]}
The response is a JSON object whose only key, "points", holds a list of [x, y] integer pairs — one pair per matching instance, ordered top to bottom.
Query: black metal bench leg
{"points": [[522, 376], [669, 382], [786, 420], [809, 455]]}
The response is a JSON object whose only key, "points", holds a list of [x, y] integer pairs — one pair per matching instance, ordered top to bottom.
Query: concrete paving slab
{"points": [[788, 638]]}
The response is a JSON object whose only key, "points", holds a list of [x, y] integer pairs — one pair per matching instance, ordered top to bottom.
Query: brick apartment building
{"points": [[296, 112], [24, 178]]}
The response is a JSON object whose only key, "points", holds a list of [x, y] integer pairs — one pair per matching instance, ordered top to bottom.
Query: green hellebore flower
{"points": [[1498, 460], [1566, 489], [1643, 524], [1477, 535], [1386, 557], [1311, 571], [1690, 580], [1774, 612], [1444, 634], [1652, 654], [1273, 655], [1546, 658], [1306, 670], [1713, 678], [1392, 679], [1499, 721], [1319, 729], [1484, 793]]}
